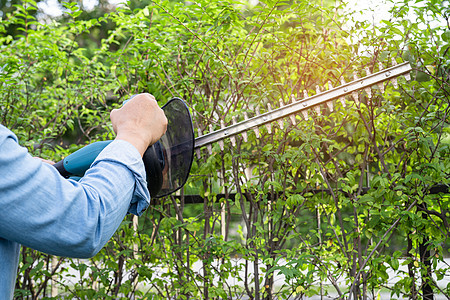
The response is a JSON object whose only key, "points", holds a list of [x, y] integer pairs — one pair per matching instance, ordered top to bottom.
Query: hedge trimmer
{"points": [[168, 162]]}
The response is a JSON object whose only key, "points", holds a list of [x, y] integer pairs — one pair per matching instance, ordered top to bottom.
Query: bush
{"points": [[329, 202]]}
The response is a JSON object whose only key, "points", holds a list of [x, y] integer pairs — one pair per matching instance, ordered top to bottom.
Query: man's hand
{"points": [[140, 122]]}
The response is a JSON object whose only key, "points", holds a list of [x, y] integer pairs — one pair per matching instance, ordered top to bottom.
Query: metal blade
{"points": [[304, 104]]}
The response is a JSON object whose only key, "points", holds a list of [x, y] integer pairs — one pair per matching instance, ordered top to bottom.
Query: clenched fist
{"points": [[140, 122]]}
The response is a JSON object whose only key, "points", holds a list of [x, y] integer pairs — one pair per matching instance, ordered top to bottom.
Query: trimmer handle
{"points": [[77, 163]]}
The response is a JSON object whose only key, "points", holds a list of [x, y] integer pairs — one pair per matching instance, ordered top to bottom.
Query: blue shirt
{"points": [[42, 210]]}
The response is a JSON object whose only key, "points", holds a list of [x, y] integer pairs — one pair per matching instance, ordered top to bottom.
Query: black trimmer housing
{"points": [[168, 161]]}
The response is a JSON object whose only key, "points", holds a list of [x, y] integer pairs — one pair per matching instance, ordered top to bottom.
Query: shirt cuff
{"points": [[123, 152]]}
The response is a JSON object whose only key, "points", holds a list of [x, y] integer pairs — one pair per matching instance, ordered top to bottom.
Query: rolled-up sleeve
{"points": [[42, 210]]}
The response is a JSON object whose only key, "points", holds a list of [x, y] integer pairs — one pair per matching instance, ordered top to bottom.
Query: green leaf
{"points": [[446, 36]]}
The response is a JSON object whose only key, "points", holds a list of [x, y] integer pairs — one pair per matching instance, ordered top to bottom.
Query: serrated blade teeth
{"points": [[407, 76], [394, 82], [380, 85], [330, 86], [368, 89], [305, 94], [355, 96], [322, 99], [330, 105], [317, 109], [305, 114], [292, 117], [280, 121], [267, 125], [256, 130], [244, 136], [233, 138], [233, 141], [221, 143], [209, 146]]}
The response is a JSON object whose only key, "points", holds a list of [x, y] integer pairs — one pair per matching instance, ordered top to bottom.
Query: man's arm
{"points": [[42, 210]]}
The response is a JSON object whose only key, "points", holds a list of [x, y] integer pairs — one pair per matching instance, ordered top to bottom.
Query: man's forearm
{"points": [[44, 211]]}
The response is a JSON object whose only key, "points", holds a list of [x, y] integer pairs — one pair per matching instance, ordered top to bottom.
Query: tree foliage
{"points": [[332, 202]]}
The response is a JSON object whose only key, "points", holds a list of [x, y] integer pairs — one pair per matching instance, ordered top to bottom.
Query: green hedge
{"points": [[374, 160]]}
